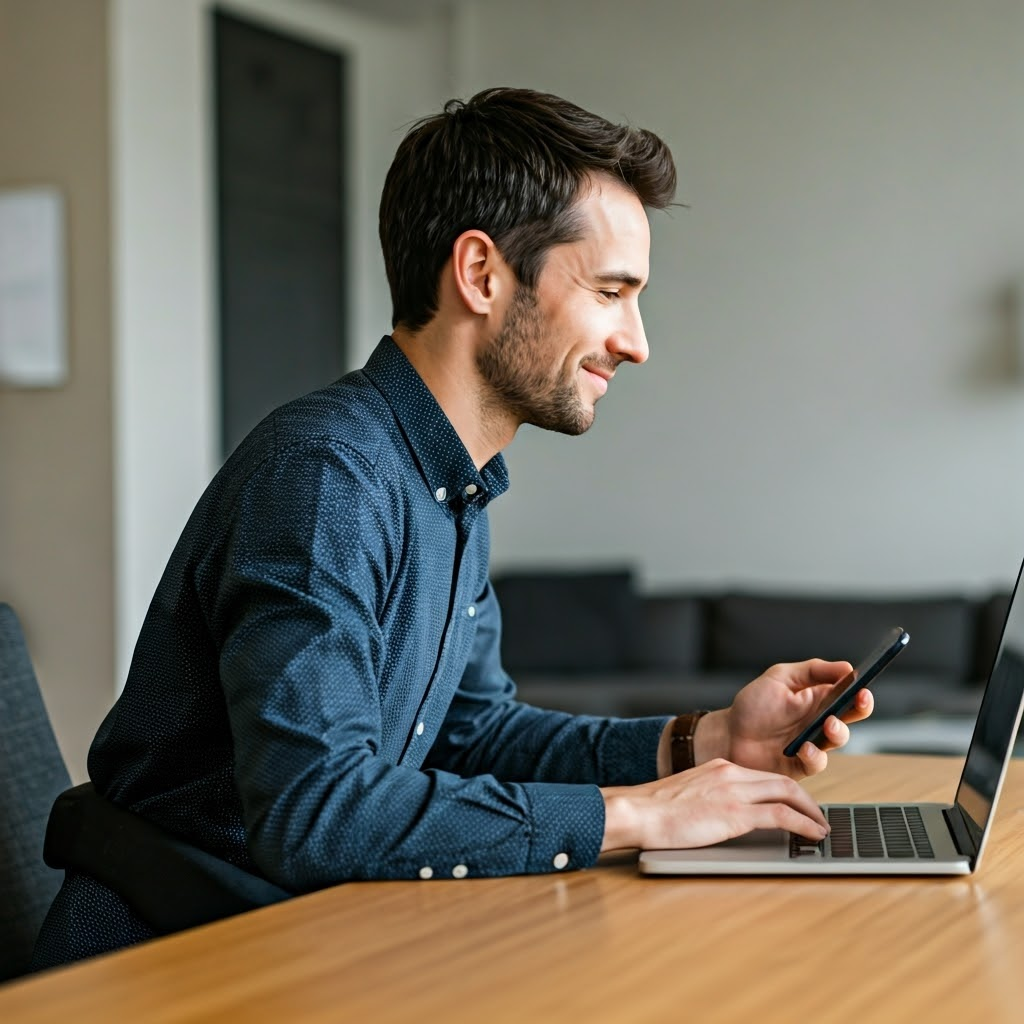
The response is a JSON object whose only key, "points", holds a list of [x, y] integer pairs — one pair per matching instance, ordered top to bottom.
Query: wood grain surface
{"points": [[598, 945]]}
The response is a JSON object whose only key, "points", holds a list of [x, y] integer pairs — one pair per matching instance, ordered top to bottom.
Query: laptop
{"points": [[892, 838]]}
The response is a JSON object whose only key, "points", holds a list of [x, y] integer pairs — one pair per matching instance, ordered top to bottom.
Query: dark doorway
{"points": [[280, 165]]}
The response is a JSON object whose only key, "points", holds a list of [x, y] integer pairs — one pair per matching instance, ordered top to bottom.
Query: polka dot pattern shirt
{"points": [[317, 692]]}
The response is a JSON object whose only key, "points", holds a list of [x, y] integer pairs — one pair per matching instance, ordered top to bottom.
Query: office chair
{"points": [[32, 773], [171, 884]]}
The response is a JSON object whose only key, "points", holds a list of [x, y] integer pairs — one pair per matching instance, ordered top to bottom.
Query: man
{"points": [[317, 693]]}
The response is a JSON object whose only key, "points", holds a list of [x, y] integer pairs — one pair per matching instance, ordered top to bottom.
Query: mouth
{"points": [[599, 377]]}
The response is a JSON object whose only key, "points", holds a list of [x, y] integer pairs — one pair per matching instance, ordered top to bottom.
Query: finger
{"points": [[816, 672], [861, 707], [837, 733], [813, 759], [740, 785], [752, 786], [780, 790], [785, 817]]}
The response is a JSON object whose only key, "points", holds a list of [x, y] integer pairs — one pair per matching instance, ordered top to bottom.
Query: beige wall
{"points": [[107, 99], [56, 494]]}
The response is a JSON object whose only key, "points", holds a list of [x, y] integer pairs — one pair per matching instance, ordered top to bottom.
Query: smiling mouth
{"points": [[599, 378]]}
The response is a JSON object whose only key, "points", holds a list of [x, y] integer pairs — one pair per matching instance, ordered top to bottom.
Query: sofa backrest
{"points": [[568, 622], [576, 623], [753, 631], [672, 634]]}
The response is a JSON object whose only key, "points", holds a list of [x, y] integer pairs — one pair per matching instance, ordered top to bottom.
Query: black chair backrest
{"points": [[32, 773]]}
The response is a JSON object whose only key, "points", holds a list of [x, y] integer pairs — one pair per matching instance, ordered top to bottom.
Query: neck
{"points": [[445, 358]]}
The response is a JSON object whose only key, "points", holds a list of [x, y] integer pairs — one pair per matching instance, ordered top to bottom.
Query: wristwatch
{"points": [[683, 729]]}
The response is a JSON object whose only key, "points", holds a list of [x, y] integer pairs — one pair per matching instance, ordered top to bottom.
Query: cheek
{"points": [[574, 332], [591, 332]]}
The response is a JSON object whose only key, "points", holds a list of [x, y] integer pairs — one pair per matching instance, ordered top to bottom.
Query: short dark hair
{"points": [[510, 162]]}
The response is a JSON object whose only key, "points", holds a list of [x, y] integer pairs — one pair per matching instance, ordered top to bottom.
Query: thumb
{"points": [[817, 672]]}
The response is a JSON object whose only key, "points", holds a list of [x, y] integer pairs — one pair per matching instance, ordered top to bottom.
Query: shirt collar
{"points": [[442, 457]]}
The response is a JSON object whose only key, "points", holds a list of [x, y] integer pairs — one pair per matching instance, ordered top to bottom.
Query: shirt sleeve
{"points": [[294, 617], [488, 731]]}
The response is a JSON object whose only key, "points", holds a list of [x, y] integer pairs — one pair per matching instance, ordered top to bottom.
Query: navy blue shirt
{"points": [[317, 690]]}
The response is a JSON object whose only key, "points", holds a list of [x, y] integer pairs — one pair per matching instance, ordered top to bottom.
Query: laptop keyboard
{"points": [[868, 832]]}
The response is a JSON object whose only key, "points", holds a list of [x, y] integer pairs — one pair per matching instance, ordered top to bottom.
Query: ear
{"points": [[480, 274]]}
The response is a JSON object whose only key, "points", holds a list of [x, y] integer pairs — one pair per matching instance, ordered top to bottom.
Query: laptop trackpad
{"points": [[760, 842], [764, 844]]}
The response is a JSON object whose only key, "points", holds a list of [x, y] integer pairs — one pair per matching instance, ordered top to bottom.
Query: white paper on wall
{"points": [[33, 333]]}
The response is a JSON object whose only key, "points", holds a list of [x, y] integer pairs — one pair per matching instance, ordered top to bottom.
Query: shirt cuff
{"points": [[628, 750], [567, 826]]}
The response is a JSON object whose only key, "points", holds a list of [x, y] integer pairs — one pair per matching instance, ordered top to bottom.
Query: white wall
{"points": [[165, 356], [830, 400]]}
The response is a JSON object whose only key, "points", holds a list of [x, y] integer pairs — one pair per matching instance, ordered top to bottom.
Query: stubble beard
{"points": [[512, 368]]}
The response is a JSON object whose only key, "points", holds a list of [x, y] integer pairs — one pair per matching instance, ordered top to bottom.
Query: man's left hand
{"points": [[768, 712]]}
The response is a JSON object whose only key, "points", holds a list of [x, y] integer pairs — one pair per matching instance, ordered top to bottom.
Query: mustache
{"points": [[602, 362]]}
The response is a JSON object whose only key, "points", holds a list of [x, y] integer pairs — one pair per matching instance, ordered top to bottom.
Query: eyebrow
{"points": [[620, 277]]}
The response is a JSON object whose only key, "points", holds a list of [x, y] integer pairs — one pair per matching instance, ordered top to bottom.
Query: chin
{"points": [[580, 425], [573, 426]]}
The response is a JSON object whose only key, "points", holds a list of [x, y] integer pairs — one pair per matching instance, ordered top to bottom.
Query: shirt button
{"points": [[471, 489], [440, 494], [471, 610], [419, 729], [561, 859], [460, 871], [426, 872]]}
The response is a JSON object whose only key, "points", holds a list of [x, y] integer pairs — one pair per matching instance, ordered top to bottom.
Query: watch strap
{"points": [[683, 729]]}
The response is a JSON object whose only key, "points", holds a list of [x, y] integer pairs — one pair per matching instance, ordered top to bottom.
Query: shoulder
{"points": [[349, 416], [347, 426]]}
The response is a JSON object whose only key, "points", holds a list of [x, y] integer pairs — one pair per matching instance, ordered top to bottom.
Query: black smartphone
{"points": [[842, 694]]}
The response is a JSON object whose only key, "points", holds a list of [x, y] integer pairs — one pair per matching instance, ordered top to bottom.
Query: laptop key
{"points": [[868, 832], [919, 833], [869, 835], [841, 836], [897, 836], [801, 847]]}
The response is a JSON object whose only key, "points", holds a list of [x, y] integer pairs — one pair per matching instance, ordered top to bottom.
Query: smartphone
{"points": [[843, 693]]}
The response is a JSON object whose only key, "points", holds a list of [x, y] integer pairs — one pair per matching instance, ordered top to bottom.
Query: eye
{"points": [[608, 295]]}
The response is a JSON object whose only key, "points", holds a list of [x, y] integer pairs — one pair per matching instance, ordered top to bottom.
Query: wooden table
{"points": [[598, 945]]}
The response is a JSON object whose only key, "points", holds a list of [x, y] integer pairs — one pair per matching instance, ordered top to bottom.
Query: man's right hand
{"points": [[708, 804]]}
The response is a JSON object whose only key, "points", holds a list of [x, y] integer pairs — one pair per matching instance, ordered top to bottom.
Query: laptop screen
{"points": [[996, 728]]}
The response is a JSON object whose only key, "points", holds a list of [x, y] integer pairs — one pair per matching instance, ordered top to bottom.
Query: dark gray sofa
{"points": [[592, 643]]}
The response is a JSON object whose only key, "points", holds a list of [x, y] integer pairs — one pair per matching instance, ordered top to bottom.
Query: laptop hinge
{"points": [[960, 832]]}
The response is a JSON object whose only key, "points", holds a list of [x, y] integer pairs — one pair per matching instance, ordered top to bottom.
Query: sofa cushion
{"points": [[567, 622], [754, 631], [671, 633]]}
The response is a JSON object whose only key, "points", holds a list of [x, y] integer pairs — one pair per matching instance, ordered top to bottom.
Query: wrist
{"points": [[711, 738], [665, 751], [620, 825]]}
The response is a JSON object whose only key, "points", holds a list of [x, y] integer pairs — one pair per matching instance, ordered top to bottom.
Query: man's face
{"points": [[560, 343]]}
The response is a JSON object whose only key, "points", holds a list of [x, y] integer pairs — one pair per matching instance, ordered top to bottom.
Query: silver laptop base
{"points": [[767, 852]]}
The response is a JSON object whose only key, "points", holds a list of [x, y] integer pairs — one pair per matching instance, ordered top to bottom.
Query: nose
{"points": [[629, 343]]}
